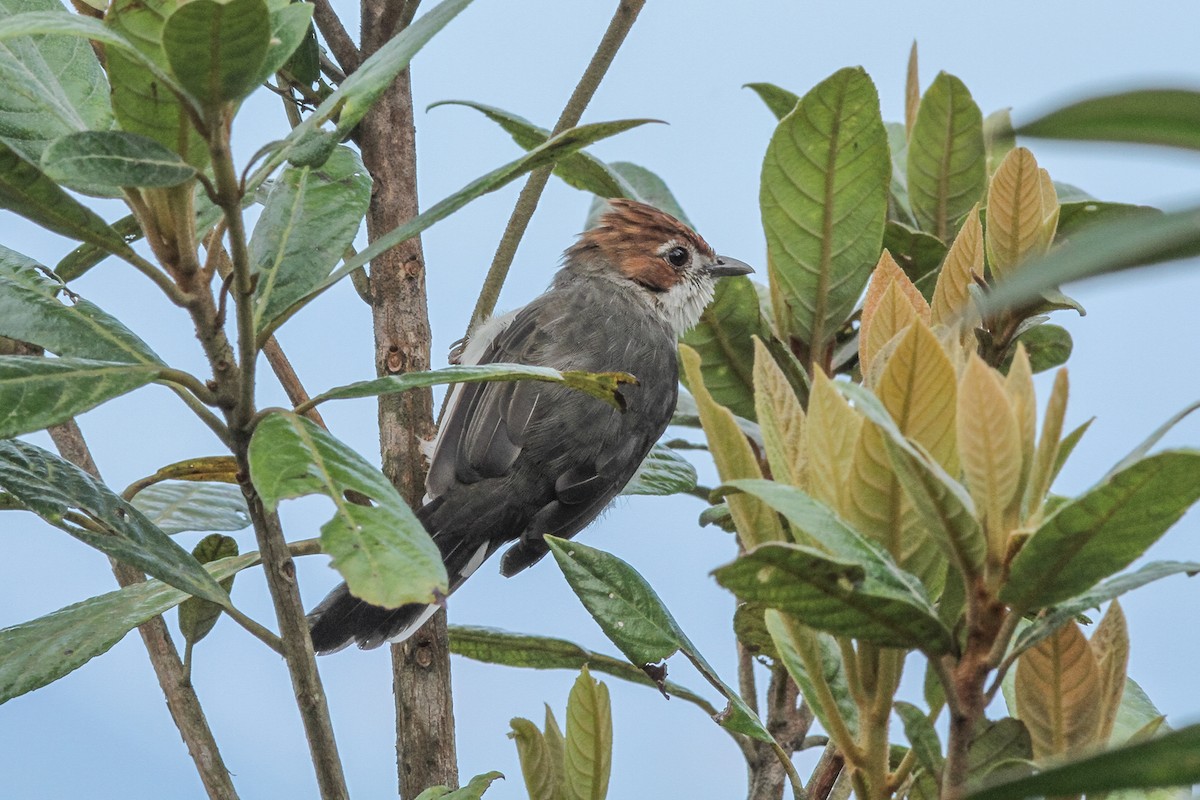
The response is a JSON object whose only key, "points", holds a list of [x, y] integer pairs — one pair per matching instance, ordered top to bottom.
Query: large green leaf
{"points": [[291, 26], [217, 50], [53, 85], [1144, 116], [556, 147], [109, 160], [947, 166], [579, 170], [28, 191], [824, 198], [1076, 216], [309, 220], [1136, 241], [919, 254], [31, 311], [723, 338], [601, 385], [36, 392], [662, 472], [70, 499], [178, 506], [1103, 530], [381, 549], [868, 600], [636, 621], [493, 646], [799, 646], [43, 650], [922, 736], [1169, 760]]}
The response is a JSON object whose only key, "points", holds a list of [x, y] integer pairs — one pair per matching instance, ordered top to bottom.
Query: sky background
{"points": [[103, 731]]}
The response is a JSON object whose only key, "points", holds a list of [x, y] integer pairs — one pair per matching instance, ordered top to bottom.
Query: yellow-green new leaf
{"points": [[912, 91], [1015, 215], [952, 296], [891, 305], [1019, 387], [781, 418], [833, 431], [989, 445], [1047, 449], [733, 456], [1110, 645], [1057, 687], [589, 740], [542, 780]]}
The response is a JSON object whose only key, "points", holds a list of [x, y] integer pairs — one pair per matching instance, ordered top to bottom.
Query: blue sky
{"points": [[104, 732]]}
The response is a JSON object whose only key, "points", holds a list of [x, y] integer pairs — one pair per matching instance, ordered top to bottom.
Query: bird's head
{"points": [[667, 262]]}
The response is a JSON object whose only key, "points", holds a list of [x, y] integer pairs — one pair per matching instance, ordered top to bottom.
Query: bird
{"points": [[515, 461]]}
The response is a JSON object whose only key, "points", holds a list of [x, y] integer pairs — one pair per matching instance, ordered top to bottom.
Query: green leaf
{"points": [[292, 36], [217, 50], [53, 85], [780, 101], [1145, 116], [556, 147], [113, 159], [947, 166], [578, 170], [645, 186], [26, 190], [824, 198], [899, 207], [1076, 216], [309, 220], [1122, 244], [919, 254], [30, 310], [722, 337], [1048, 346], [601, 385], [36, 392], [1139, 452], [662, 472], [70, 499], [178, 506], [1103, 530], [381, 549], [1101, 593], [870, 600], [198, 616], [637, 622], [493, 646], [798, 646], [36, 653], [1137, 717], [922, 736], [589, 740], [998, 743], [1172, 759], [542, 780], [472, 791]]}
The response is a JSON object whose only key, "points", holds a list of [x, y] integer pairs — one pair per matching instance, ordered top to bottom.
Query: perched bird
{"points": [[516, 461]]}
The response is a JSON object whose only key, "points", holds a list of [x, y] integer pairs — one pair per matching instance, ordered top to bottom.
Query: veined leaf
{"points": [[291, 33], [216, 49], [912, 91], [780, 101], [1144, 116], [113, 159], [947, 170], [824, 202], [1015, 213], [919, 254], [964, 262], [891, 305], [723, 339], [1018, 385], [36, 392], [782, 419], [833, 429], [989, 444], [1047, 448], [662, 472], [71, 500], [178, 506], [1103, 530], [382, 550], [198, 616], [1110, 646], [39, 652], [813, 660], [1058, 688], [922, 736], [588, 740], [543, 778]]}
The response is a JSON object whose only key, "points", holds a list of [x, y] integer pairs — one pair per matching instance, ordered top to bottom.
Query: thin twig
{"points": [[618, 28], [339, 41], [290, 380], [190, 382], [256, 629]]}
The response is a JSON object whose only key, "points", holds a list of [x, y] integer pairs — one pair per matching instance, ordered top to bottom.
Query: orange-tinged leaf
{"points": [[912, 92], [1014, 212], [887, 271], [951, 295], [892, 303], [1019, 386], [919, 389], [781, 418], [833, 431], [989, 445], [1047, 449], [756, 522], [1110, 645], [1057, 687]]}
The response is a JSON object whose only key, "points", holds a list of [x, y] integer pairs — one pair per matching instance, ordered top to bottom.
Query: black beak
{"points": [[726, 267]]}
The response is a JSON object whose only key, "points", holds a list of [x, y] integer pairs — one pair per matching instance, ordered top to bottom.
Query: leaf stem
{"points": [[256, 629]]}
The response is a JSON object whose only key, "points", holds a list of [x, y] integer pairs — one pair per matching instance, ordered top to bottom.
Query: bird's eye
{"points": [[678, 256]]}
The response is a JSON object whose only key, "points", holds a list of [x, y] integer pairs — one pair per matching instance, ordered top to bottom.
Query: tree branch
{"points": [[340, 43]]}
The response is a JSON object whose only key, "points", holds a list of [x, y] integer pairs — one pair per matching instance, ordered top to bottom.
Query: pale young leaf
{"points": [[912, 91], [1050, 208], [1015, 217], [951, 295], [884, 315], [1019, 387], [918, 388], [781, 418], [833, 431], [989, 445], [734, 457], [1110, 645], [1057, 686], [589, 740]]}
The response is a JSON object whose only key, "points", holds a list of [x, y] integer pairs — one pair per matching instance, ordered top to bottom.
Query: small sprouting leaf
{"points": [[779, 100], [113, 159], [964, 262], [892, 304], [1049, 346], [36, 392], [782, 419], [381, 549], [196, 615], [1110, 645], [537, 765]]}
